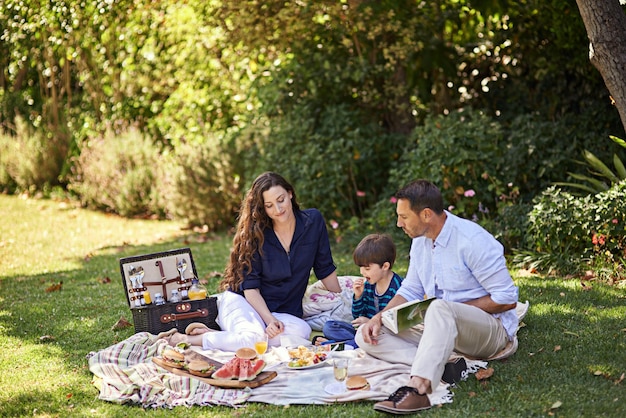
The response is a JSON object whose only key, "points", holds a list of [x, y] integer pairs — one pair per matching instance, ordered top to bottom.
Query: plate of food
{"points": [[305, 358]]}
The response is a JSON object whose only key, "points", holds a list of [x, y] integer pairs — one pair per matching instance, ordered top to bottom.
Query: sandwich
{"points": [[246, 353], [173, 358], [200, 368], [357, 383]]}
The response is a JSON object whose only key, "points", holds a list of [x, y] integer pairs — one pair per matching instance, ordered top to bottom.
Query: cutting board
{"points": [[261, 379]]}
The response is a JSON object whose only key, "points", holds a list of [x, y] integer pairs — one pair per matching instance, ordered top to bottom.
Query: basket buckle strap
{"points": [[171, 317]]}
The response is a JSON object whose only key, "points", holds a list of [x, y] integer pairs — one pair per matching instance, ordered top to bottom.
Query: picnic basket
{"points": [[161, 275]]}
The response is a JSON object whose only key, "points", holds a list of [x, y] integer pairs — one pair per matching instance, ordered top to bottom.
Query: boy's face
{"points": [[373, 273]]}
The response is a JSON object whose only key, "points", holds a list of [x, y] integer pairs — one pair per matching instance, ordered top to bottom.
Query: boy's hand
{"points": [[358, 286], [359, 321]]}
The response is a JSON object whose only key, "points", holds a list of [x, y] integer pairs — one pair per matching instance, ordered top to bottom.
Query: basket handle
{"points": [[171, 317]]}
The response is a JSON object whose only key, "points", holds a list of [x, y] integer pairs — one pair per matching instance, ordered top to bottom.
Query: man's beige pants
{"points": [[448, 327]]}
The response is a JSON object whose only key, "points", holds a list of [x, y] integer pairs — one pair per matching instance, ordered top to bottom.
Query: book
{"points": [[406, 315]]}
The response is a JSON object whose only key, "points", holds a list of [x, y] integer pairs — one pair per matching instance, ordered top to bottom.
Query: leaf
{"points": [[618, 141], [596, 163], [54, 287], [121, 324], [571, 333], [46, 338], [557, 348], [483, 374], [621, 379], [556, 405]]}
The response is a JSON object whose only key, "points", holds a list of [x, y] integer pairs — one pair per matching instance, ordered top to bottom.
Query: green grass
{"points": [[572, 348]]}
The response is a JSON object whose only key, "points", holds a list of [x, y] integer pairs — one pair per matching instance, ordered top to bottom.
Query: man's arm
{"points": [[488, 305]]}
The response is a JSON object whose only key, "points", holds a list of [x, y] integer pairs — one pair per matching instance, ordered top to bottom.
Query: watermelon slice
{"points": [[251, 369], [229, 370]]}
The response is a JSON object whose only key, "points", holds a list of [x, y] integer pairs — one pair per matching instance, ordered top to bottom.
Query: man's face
{"points": [[411, 223]]}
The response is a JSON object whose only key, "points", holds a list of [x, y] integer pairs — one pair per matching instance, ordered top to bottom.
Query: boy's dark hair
{"points": [[375, 248]]}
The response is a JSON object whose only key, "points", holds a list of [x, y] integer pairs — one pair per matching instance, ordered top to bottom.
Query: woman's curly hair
{"points": [[252, 222]]}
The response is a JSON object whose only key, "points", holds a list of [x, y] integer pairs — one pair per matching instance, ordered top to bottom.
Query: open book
{"points": [[405, 316]]}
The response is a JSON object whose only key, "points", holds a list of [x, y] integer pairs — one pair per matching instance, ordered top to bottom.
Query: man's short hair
{"points": [[422, 194], [375, 248]]}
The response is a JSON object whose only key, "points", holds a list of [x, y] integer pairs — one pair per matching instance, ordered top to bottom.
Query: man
{"points": [[463, 266]]}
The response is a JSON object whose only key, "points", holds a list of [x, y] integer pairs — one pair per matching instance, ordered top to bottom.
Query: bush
{"points": [[461, 153], [31, 160], [337, 161], [117, 173], [201, 184], [569, 234]]}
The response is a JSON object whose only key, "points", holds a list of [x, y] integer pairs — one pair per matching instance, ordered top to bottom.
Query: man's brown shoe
{"points": [[405, 400]]}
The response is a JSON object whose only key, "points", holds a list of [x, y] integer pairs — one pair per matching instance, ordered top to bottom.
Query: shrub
{"points": [[460, 153], [31, 160], [337, 161], [117, 173], [201, 184], [569, 234]]}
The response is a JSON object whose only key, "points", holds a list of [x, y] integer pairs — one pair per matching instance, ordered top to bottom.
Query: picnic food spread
{"points": [[304, 357]]}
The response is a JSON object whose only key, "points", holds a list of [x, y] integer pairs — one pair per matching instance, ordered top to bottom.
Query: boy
{"points": [[375, 256]]}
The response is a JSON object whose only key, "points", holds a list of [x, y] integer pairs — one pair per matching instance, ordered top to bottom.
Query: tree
{"points": [[605, 22]]}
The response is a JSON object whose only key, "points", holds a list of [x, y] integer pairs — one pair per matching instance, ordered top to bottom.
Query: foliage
{"points": [[462, 154], [31, 159], [337, 159], [117, 173], [602, 177], [200, 184], [569, 234]]}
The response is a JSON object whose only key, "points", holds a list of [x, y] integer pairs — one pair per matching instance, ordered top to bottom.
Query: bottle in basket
{"points": [[197, 291], [175, 297], [158, 299]]}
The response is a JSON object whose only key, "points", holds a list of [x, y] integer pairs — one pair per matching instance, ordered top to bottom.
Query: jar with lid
{"points": [[197, 291], [175, 296], [158, 299]]}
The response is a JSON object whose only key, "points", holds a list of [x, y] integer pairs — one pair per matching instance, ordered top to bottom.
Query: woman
{"points": [[276, 245]]}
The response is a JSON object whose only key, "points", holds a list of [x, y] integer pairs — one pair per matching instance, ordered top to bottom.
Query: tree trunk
{"points": [[605, 21]]}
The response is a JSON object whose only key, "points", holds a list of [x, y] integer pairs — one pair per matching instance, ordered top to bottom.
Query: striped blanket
{"points": [[125, 373]]}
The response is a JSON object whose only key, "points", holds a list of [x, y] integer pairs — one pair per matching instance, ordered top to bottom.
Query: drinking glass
{"points": [[260, 346], [340, 372]]}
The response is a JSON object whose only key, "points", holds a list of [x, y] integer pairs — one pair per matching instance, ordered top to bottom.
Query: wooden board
{"points": [[261, 379]]}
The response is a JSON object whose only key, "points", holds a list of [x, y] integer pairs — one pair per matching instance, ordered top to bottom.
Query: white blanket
{"points": [[307, 386]]}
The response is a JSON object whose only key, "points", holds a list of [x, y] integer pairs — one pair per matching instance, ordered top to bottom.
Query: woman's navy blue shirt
{"points": [[282, 278]]}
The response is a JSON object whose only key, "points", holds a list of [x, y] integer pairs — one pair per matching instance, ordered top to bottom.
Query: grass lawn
{"points": [[571, 359]]}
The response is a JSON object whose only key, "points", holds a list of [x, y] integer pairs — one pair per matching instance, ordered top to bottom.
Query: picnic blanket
{"points": [[125, 373]]}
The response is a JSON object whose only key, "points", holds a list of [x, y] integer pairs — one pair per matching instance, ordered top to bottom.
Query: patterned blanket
{"points": [[125, 373]]}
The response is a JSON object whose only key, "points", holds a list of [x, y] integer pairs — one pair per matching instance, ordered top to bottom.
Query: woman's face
{"points": [[277, 202]]}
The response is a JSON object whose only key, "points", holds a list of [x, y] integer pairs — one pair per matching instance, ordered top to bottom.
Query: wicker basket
{"points": [[162, 276], [158, 318]]}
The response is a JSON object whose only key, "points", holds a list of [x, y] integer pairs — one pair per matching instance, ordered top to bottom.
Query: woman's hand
{"points": [[360, 321], [274, 328]]}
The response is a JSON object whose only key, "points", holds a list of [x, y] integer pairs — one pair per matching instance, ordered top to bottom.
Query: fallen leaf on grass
{"points": [[104, 280], [54, 287], [121, 324], [46, 338], [557, 347], [483, 374], [621, 379], [556, 405]]}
